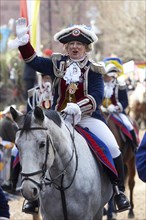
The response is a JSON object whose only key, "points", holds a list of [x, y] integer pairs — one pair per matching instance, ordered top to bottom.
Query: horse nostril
{"points": [[35, 191]]}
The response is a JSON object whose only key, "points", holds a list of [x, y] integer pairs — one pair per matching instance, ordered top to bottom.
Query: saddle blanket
{"points": [[124, 129], [100, 150], [16, 159]]}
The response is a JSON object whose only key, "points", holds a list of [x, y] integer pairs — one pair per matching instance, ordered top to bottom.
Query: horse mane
{"points": [[51, 114], [27, 122]]}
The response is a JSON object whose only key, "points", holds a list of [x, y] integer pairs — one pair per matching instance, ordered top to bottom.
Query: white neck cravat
{"points": [[72, 74], [109, 89]]}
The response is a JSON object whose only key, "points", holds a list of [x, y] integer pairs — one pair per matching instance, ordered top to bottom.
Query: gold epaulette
{"points": [[56, 57], [98, 68], [59, 70]]}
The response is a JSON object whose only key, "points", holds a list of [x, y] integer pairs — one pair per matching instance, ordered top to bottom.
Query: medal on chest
{"points": [[72, 88]]}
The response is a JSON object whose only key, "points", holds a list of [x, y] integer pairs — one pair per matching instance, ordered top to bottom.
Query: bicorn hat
{"points": [[80, 33], [113, 66], [111, 70]]}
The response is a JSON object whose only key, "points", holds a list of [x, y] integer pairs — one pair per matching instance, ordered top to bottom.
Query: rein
{"points": [[62, 174], [50, 181], [60, 187]]}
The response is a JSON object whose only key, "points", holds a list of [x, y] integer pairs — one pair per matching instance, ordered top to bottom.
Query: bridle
{"points": [[44, 167], [51, 181]]}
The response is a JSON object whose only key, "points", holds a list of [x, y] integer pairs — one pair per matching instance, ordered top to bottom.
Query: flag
{"points": [[23, 9], [30, 9], [4, 35]]}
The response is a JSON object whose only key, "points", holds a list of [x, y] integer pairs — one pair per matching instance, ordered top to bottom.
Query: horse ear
{"points": [[38, 113], [15, 114]]}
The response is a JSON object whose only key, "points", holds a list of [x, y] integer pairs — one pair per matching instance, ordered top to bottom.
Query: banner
{"points": [[23, 9], [30, 9], [4, 35]]}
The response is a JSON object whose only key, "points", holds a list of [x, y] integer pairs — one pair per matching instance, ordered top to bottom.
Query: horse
{"points": [[137, 105], [138, 113], [128, 159], [59, 168]]}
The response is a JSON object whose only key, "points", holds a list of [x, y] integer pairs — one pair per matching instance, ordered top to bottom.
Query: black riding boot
{"points": [[134, 142], [121, 202], [31, 207]]}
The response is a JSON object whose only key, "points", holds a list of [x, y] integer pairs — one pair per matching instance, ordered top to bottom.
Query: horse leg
{"points": [[131, 184], [111, 215]]}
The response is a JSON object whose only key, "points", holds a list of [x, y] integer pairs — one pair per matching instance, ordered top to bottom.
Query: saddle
{"points": [[100, 151]]}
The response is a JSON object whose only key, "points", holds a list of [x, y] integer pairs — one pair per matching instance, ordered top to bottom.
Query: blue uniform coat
{"points": [[141, 159]]}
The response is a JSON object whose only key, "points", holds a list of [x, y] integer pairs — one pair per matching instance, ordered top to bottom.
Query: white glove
{"points": [[21, 28], [21, 32], [111, 108], [103, 109], [73, 113]]}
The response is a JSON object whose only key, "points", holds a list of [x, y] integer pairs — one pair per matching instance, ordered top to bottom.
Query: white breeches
{"points": [[123, 118], [101, 130], [14, 151]]}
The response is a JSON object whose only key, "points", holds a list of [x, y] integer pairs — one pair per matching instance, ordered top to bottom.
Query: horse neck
{"points": [[64, 158]]}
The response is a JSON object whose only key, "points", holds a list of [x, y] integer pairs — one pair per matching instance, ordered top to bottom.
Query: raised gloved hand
{"points": [[21, 27], [21, 33], [111, 108], [72, 113]]}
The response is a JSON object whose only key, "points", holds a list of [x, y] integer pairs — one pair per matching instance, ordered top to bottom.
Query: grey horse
{"points": [[59, 168]]}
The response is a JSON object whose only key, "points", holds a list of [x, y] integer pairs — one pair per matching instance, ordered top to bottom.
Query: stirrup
{"points": [[117, 193], [29, 210]]}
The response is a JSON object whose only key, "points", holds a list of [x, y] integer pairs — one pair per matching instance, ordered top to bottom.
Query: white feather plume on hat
{"points": [[80, 33], [112, 70]]}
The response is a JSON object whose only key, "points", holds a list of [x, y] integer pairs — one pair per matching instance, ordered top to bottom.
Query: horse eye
{"points": [[42, 145]]}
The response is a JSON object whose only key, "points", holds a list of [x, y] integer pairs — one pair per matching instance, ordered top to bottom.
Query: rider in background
{"points": [[78, 87], [40, 95], [116, 96], [8, 131]]}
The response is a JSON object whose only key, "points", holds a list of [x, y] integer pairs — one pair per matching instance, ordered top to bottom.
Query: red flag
{"points": [[23, 9], [30, 9]]}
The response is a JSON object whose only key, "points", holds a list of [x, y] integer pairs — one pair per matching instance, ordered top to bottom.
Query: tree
{"points": [[122, 24]]}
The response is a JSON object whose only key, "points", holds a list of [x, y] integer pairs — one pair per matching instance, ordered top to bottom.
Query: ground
{"points": [[139, 203]]}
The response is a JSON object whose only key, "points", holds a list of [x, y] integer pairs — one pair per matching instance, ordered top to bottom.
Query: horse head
{"points": [[35, 146]]}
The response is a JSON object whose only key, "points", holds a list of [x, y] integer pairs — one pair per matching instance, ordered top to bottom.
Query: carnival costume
{"points": [[78, 89], [116, 97]]}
